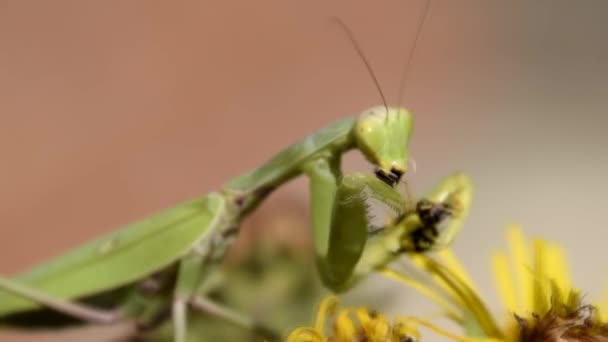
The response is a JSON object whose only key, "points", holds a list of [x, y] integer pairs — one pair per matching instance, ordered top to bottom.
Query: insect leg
{"points": [[324, 175], [339, 215], [350, 223], [190, 274], [211, 307], [80, 311], [179, 320]]}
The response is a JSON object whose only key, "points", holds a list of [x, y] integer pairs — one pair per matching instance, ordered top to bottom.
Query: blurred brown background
{"points": [[111, 110]]}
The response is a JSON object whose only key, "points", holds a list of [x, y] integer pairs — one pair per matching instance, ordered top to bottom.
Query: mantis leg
{"points": [[324, 177], [340, 217], [350, 228], [192, 272], [190, 275], [211, 307], [76, 310], [179, 320]]}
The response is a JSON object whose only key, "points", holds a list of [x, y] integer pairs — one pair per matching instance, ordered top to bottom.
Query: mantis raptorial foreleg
{"points": [[324, 179], [339, 207], [432, 224]]}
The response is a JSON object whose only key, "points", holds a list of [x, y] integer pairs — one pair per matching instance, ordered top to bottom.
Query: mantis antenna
{"points": [[351, 37], [405, 72], [403, 83]]}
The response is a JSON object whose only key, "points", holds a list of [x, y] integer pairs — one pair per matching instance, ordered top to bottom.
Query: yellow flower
{"points": [[534, 286], [353, 324]]}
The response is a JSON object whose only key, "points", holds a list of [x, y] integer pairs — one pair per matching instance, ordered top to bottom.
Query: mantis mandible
{"points": [[184, 243]]}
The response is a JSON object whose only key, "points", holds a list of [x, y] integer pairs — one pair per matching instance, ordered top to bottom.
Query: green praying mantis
{"points": [[192, 237], [159, 267]]}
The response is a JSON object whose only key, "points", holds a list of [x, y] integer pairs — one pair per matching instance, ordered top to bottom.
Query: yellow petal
{"points": [[520, 260], [450, 261], [421, 262], [557, 269], [504, 281], [542, 282], [424, 290], [603, 306], [328, 307], [375, 325], [344, 327], [405, 330], [442, 332], [305, 334]]}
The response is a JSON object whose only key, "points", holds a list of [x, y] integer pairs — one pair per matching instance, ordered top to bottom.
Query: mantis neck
{"points": [[250, 189]]}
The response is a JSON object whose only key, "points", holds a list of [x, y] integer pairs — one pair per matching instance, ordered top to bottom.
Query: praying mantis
{"points": [[191, 238], [162, 263]]}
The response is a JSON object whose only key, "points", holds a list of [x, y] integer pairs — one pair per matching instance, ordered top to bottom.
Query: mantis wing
{"points": [[121, 257]]}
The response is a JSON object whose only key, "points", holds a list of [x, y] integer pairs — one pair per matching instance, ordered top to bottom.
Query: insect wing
{"points": [[123, 256]]}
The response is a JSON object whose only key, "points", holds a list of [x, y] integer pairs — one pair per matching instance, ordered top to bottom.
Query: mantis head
{"points": [[382, 134]]}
